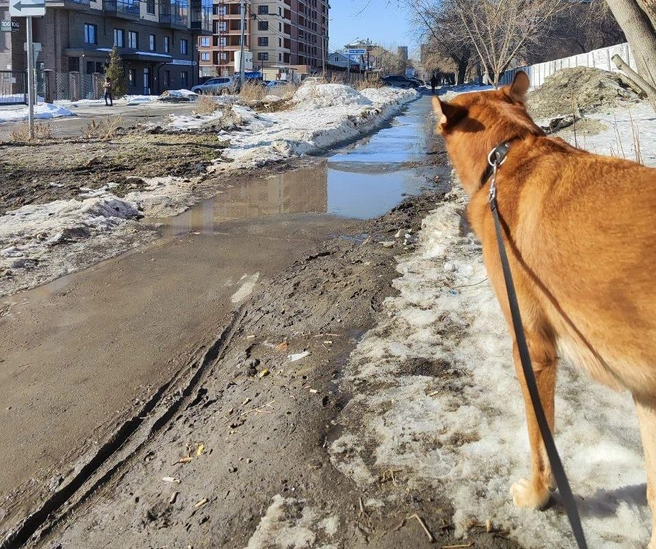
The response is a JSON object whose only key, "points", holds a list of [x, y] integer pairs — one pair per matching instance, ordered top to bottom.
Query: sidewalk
{"points": [[85, 111]]}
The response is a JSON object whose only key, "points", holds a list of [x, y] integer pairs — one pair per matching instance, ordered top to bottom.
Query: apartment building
{"points": [[287, 38], [156, 39]]}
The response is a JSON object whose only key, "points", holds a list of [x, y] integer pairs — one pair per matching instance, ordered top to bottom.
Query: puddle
{"points": [[363, 180]]}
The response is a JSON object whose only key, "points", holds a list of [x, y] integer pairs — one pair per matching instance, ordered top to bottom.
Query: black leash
{"points": [[495, 159]]}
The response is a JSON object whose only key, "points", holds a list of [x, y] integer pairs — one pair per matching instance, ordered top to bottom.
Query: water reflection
{"points": [[362, 180], [300, 191]]}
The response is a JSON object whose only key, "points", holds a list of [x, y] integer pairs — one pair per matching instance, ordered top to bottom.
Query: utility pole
{"points": [[241, 49], [30, 77]]}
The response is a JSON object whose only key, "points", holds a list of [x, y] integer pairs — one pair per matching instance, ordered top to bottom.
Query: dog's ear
{"points": [[519, 87], [446, 114]]}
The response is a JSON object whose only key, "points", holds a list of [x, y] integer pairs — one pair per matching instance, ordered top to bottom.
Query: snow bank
{"points": [[41, 111], [324, 115], [454, 422]]}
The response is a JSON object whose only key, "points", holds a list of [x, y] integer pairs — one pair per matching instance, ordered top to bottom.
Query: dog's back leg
{"points": [[646, 407], [534, 493]]}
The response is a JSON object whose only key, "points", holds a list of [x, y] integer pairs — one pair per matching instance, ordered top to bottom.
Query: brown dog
{"points": [[580, 230]]}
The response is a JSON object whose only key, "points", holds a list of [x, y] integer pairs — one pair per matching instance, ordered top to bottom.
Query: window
{"points": [[150, 7], [263, 10], [263, 25], [90, 34], [119, 38], [133, 40], [262, 40], [205, 41], [223, 41], [152, 42], [280, 42], [167, 44], [183, 46], [205, 56], [223, 56], [263, 56], [73, 64], [90, 66], [100, 67], [132, 77], [184, 78]]}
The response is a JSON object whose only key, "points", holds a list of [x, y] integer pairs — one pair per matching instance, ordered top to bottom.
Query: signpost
{"points": [[29, 9], [9, 26]]}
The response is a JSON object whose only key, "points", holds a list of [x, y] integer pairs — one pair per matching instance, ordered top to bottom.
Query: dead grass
{"points": [[252, 92], [206, 104], [104, 130], [42, 132]]}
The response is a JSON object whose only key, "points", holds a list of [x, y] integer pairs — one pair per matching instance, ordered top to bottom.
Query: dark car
{"points": [[399, 81]]}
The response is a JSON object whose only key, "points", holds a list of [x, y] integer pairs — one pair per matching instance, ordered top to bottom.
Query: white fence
{"points": [[598, 59]]}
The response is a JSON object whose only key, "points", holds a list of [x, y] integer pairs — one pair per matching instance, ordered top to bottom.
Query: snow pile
{"points": [[177, 95], [317, 96], [41, 111], [344, 113], [629, 133], [39, 242], [452, 418], [289, 522]]}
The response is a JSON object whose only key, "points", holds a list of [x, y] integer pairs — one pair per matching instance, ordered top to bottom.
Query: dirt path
{"points": [[234, 454]]}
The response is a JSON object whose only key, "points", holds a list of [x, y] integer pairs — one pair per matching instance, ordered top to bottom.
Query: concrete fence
{"points": [[598, 59]]}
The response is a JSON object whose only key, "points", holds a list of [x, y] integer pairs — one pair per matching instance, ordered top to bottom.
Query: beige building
{"points": [[287, 38]]}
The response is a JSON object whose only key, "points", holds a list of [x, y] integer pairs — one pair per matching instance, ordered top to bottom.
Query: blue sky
{"points": [[382, 21]]}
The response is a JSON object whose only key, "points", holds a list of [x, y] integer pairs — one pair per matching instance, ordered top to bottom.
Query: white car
{"points": [[216, 86]]}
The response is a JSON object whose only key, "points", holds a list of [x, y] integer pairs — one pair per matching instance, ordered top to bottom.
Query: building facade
{"points": [[288, 38], [156, 40]]}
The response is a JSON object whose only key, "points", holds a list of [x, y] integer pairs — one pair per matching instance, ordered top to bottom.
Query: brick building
{"points": [[288, 38], [156, 39]]}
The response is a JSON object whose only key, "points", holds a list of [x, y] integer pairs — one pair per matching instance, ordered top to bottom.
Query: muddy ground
{"points": [[106, 151], [233, 452]]}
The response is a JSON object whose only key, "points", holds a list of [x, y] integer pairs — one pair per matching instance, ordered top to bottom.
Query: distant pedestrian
{"points": [[433, 83], [109, 98]]}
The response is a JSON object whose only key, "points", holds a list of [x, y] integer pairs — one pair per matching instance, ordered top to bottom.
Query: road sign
{"points": [[27, 8], [9, 26], [357, 51]]}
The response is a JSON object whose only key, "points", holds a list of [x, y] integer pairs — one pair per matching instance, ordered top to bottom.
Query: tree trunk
{"points": [[641, 36]]}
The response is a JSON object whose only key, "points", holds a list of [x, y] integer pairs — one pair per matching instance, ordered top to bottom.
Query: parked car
{"points": [[399, 81], [275, 83], [216, 86]]}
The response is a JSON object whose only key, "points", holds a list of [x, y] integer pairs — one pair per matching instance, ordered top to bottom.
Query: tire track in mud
{"points": [[126, 442]]}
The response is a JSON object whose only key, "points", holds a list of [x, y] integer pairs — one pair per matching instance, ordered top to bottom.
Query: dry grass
{"points": [[252, 92], [206, 104], [104, 130], [42, 131]]}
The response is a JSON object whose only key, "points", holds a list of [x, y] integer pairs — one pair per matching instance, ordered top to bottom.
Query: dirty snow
{"points": [[42, 111], [322, 117], [460, 429]]}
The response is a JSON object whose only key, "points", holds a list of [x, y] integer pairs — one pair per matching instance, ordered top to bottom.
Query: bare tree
{"points": [[638, 21], [440, 25], [581, 27], [502, 30], [389, 63]]}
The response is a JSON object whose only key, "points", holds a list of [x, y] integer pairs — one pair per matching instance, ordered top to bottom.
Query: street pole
{"points": [[243, 33], [30, 76]]}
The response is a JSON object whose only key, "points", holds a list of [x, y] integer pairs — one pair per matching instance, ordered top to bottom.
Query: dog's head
{"points": [[472, 124]]}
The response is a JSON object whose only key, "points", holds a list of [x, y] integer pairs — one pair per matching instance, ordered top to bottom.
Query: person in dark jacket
{"points": [[109, 99]]}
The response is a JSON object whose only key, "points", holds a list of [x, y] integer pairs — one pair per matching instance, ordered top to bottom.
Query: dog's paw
{"points": [[524, 494]]}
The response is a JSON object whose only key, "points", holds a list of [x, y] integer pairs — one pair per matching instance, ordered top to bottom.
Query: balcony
{"points": [[128, 9], [174, 14], [201, 16]]}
